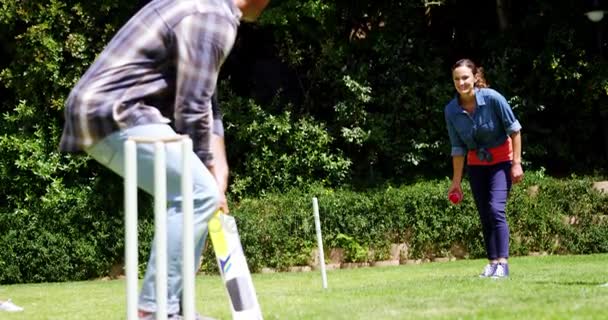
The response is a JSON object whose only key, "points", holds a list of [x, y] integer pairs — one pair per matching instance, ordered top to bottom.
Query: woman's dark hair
{"points": [[480, 79]]}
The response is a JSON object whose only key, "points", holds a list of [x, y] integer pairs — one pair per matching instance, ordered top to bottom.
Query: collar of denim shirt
{"points": [[479, 99]]}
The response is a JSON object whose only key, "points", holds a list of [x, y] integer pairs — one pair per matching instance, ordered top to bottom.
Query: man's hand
{"points": [[222, 183]]}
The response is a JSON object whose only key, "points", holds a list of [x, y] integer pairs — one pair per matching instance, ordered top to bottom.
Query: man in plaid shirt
{"points": [[156, 78]]}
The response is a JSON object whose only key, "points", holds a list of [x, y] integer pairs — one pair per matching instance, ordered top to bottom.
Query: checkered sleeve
{"points": [[203, 41]]}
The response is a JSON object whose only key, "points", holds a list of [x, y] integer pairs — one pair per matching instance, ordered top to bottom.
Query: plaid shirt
{"points": [[161, 67]]}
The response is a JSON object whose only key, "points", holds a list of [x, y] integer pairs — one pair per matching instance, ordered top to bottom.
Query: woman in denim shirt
{"points": [[482, 127]]}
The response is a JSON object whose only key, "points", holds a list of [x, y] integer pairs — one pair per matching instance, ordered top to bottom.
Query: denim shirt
{"points": [[489, 126]]}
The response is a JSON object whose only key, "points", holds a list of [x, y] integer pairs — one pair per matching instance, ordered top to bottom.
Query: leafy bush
{"points": [[278, 152], [58, 216], [556, 216], [274, 231]]}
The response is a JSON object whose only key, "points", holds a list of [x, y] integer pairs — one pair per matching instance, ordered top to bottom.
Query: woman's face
{"points": [[464, 80]]}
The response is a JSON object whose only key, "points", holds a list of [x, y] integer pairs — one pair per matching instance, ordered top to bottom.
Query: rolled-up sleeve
{"points": [[203, 41], [506, 115], [458, 146]]}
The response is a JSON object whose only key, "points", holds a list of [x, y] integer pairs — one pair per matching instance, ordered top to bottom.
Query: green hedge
{"points": [[548, 215], [60, 238]]}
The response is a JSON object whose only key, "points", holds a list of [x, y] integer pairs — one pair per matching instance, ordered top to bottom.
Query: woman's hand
{"points": [[517, 173], [455, 187]]}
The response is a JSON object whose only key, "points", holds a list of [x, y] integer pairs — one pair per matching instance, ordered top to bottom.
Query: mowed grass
{"points": [[548, 287]]}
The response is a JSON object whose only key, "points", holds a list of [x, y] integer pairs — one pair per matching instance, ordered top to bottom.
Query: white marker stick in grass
{"points": [[315, 208]]}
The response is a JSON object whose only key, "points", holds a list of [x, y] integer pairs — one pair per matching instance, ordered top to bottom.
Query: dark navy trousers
{"points": [[490, 186]]}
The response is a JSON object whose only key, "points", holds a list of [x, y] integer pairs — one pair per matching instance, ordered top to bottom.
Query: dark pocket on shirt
{"points": [[485, 131]]}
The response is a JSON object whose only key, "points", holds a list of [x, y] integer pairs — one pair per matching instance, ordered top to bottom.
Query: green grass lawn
{"points": [[549, 287]]}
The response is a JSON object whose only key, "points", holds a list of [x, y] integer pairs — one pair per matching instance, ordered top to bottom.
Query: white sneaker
{"points": [[488, 270], [502, 271], [9, 306]]}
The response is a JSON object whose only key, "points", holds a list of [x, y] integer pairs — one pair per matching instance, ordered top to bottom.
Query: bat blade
{"points": [[233, 268]]}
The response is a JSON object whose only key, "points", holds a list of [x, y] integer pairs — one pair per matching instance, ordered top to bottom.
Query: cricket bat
{"points": [[233, 268]]}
